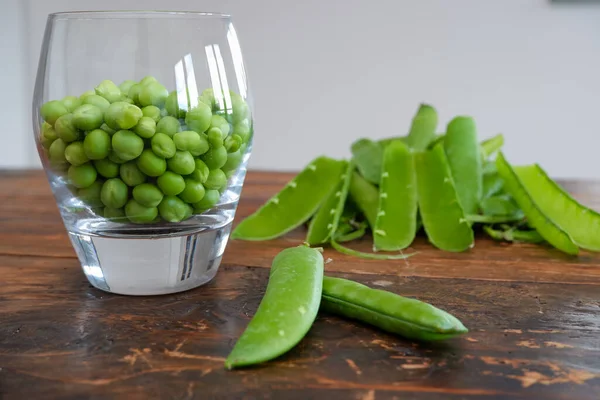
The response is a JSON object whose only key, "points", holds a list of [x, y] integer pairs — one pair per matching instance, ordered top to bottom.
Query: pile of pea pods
{"points": [[137, 153], [448, 185]]}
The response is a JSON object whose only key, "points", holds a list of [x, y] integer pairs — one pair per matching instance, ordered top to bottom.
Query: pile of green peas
{"points": [[135, 152]]}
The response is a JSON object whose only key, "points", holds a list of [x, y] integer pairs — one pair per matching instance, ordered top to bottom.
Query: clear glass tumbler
{"points": [[143, 123]]}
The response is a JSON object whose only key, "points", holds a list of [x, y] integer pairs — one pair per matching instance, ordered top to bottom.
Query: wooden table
{"points": [[533, 314]]}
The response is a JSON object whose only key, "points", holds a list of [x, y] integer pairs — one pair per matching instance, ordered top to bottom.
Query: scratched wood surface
{"points": [[533, 314]]}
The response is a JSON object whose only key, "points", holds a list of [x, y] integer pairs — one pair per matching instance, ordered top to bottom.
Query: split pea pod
{"points": [[293, 205], [443, 217], [325, 222], [580, 222], [396, 223], [547, 228], [287, 310], [407, 317]]}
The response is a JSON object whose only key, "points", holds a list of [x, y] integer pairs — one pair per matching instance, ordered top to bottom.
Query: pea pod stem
{"points": [[372, 256]]}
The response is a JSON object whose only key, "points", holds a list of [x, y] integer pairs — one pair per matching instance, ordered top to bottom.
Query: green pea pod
{"points": [[422, 130], [438, 139], [384, 142], [491, 145], [368, 156], [464, 159], [489, 167], [492, 185], [366, 197], [295, 204], [501, 205], [442, 215], [493, 219], [325, 222], [580, 222], [396, 223], [546, 227], [352, 234], [514, 235], [369, 256], [287, 310], [407, 317]]}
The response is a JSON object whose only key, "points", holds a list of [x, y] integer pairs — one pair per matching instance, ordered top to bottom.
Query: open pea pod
{"points": [[423, 127], [368, 156], [464, 159], [366, 196], [295, 204], [443, 217], [541, 221], [579, 221], [325, 222], [396, 222]]}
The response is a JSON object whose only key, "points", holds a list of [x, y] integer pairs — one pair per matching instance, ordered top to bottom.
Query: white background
{"points": [[326, 72]]}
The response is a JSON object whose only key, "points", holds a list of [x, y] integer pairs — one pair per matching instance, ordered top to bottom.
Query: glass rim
{"points": [[117, 14]]}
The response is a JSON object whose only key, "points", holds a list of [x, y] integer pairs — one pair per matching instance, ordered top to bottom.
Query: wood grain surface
{"points": [[533, 315]]}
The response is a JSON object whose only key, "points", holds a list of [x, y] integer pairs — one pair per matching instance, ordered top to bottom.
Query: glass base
{"points": [[151, 265]]}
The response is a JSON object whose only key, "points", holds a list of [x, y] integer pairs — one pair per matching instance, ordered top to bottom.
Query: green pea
{"points": [[147, 79], [126, 85], [109, 91], [134, 93], [86, 94], [154, 94], [208, 97], [97, 101], [71, 102], [175, 107], [52, 110], [240, 110], [152, 112], [121, 115], [87, 117], [199, 118], [218, 121], [168, 125], [146, 127], [65, 128], [107, 129], [242, 129], [48, 131], [215, 137], [190, 141], [45, 142], [233, 143], [96, 144], [127, 144], [163, 146], [56, 152], [75, 154], [114, 157], [215, 157], [233, 160], [182, 163], [151, 164], [107, 168], [201, 171], [131, 174], [82, 176], [216, 179], [171, 183], [193, 192], [114, 193], [91, 194], [147, 194], [211, 198], [172, 209], [287, 210], [189, 211], [114, 213], [139, 214], [396, 223], [286, 311], [410, 318]]}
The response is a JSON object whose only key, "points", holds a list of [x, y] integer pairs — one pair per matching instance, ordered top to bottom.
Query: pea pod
{"points": [[422, 130], [491, 145], [368, 156], [464, 159], [492, 185], [366, 197], [295, 204], [502, 205], [442, 215], [493, 219], [325, 222], [396, 222], [580, 222], [546, 227], [514, 235], [369, 256], [287, 310], [410, 318]]}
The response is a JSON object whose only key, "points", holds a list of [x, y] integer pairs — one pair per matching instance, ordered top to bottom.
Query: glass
{"points": [[143, 123]]}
